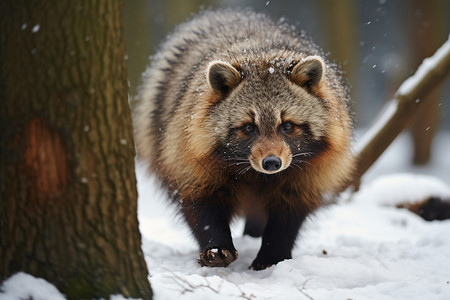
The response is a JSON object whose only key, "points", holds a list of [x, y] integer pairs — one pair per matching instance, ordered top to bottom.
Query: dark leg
{"points": [[209, 220], [255, 222], [254, 226], [278, 238]]}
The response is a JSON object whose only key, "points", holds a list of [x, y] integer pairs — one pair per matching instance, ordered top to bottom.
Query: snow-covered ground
{"points": [[361, 248]]}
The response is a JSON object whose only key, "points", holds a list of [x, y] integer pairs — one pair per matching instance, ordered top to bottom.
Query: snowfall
{"points": [[363, 247]]}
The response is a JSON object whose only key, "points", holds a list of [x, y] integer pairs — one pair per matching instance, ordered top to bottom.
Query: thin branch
{"points": [[409, 101], [188, 287], [302, 289]]}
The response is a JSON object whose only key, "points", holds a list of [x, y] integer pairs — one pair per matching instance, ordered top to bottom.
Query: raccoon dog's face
{"points": [[268, 118]]}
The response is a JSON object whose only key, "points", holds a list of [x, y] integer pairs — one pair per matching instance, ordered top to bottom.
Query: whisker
{"points": [[308, 154], [235, 159], [306, 162], [239, 163], [296, 165], [244, 170]]}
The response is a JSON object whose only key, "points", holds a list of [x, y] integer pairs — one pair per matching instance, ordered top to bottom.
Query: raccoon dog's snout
{"points": [[270, 156], [271, 163]]}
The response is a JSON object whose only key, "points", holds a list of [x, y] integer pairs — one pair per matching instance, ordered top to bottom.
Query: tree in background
{"points": [[339, 23], [146, 24], [426, 31], [138, 36], [68, 198]]}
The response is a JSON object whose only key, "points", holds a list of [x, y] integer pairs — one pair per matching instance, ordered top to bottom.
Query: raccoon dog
{"points": [[240, 115]]}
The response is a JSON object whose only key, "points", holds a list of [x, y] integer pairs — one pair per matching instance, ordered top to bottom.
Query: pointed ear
{"points": [[308, 72], [222, 77]]}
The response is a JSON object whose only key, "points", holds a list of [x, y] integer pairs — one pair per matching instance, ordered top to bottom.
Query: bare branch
{"points": [[188, 287], [302, 289]]}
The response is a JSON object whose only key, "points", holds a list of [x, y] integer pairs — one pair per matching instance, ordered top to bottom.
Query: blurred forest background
{"points": [[378, 43]]}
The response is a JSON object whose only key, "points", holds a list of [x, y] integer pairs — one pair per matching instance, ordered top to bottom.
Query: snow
{"points": [[35, 28], [361, 248], [24, 286]]}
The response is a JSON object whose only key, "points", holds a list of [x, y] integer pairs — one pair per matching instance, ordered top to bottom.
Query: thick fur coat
{"points": [[239, 114]]}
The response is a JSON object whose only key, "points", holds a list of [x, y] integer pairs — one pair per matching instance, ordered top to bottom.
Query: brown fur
{"points": [[215, 75]]}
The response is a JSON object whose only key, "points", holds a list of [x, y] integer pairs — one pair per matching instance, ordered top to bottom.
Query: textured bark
{"points": [[68, 199]]}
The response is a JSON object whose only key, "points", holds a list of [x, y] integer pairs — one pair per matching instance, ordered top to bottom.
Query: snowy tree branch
{"points": [[408, 103]]}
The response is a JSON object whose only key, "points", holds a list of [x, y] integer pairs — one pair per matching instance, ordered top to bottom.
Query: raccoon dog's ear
{"points": [[308, 72], [222, 77]]}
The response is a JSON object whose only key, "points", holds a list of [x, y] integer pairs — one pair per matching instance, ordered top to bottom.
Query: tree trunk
{"points": [[339, 23], [428, 30], [68, 199]]}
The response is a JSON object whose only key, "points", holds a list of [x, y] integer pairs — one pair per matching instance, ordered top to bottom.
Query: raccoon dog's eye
{"points": [[287, 127], [248, 128]]}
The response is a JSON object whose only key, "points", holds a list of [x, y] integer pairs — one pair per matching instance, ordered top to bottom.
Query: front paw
{"points": [[216, 257], [261, 262], [259, 266]]}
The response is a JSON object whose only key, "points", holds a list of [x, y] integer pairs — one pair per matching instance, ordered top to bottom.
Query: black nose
{"points": [[271, 163]]}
